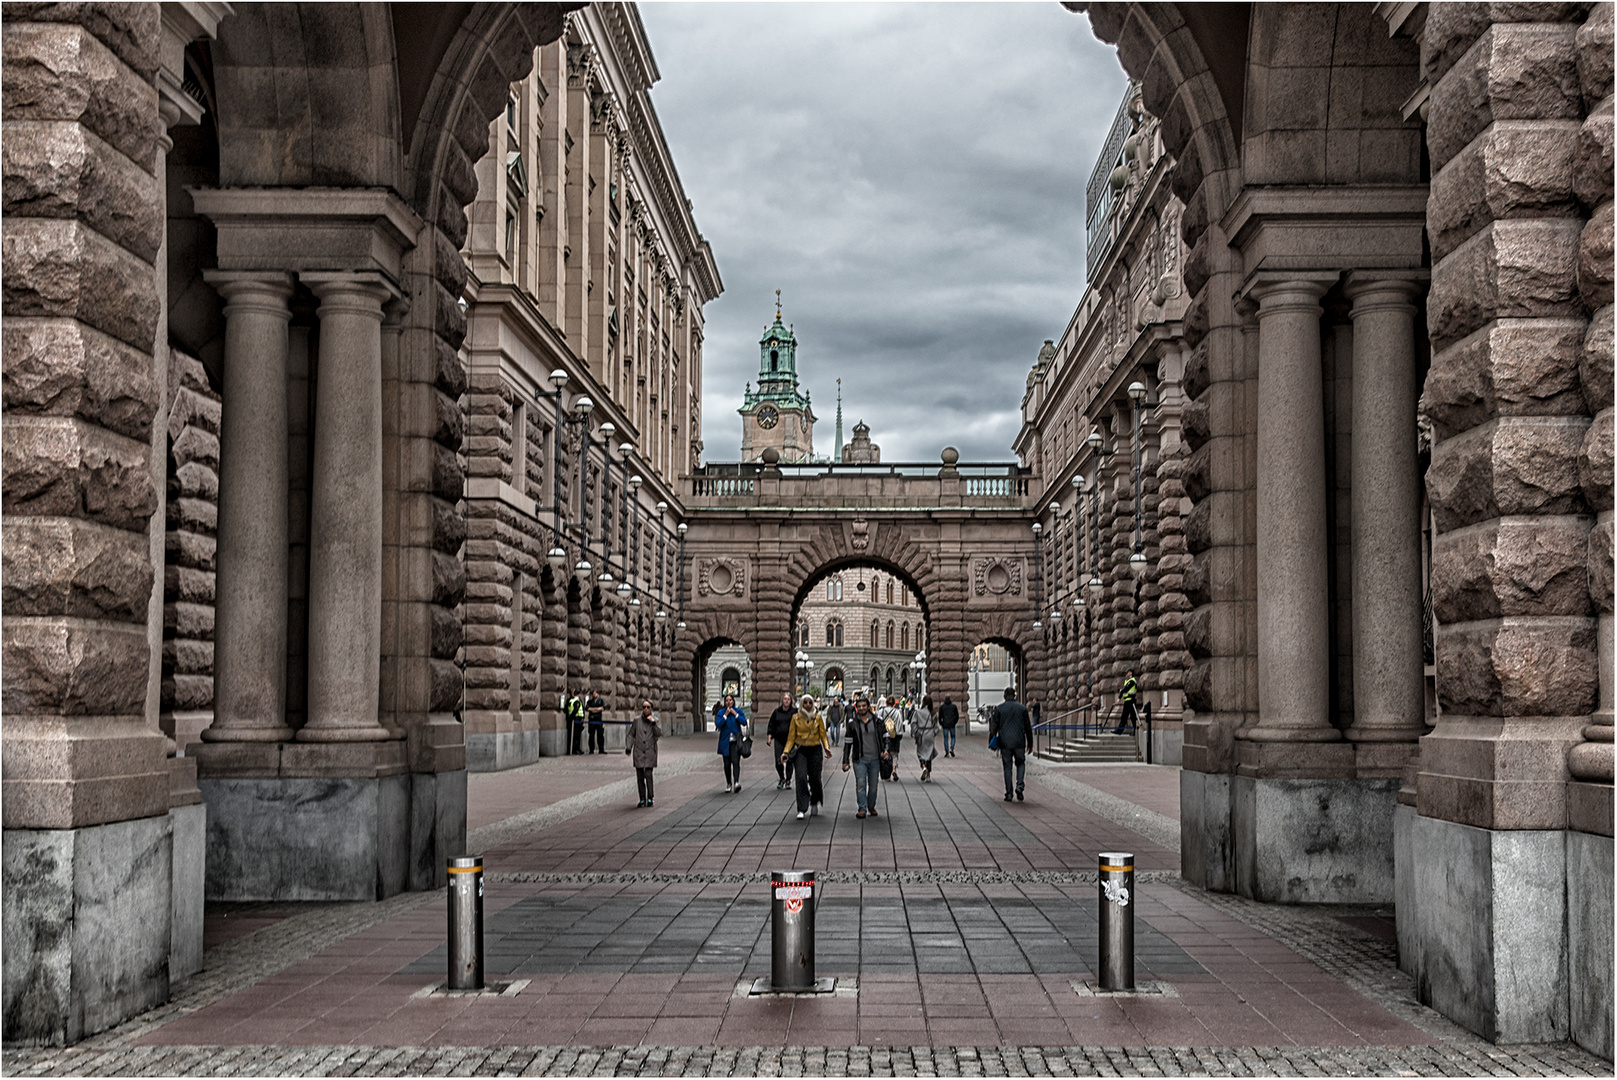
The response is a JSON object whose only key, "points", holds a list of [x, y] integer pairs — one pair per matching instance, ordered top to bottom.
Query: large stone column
{"points": [[345, 522], [250, 608], [1293, 615], [1389, 710]]}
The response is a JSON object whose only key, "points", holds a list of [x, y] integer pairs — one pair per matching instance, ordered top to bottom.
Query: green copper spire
{"points": [[777, 365], [836, 451]]}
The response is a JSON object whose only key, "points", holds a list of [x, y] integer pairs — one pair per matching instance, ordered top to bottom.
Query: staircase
{"points": [[1096, 748]]}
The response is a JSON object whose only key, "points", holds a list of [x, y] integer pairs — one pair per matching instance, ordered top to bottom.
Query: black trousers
{"points": [[1129, 719], [578, 736], [598, 738], [1017, 756], [809, 761], [732, 763], [783, 769], [642, 780]]}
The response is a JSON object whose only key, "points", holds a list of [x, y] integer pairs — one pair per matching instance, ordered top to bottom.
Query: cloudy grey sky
{"points": [[911, 177]]}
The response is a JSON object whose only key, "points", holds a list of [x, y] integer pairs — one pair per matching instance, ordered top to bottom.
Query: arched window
{"points": [[774, 360], [830, 589], [889, 592], [904, 597], [889, 633], [905, 633], [875, 634], [839, 635], [802, 636], [920, 638], [891, 674], [875, 678]]}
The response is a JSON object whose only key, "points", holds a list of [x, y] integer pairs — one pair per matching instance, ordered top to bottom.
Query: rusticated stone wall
{"points": [[83, 225], [1519, 317], [189, 548]]}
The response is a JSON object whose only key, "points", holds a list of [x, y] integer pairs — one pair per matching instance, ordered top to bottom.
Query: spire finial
{"points": [[777, 305]]}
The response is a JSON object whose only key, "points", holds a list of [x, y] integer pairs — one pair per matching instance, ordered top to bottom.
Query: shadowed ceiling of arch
{"points": [[854, 562]]}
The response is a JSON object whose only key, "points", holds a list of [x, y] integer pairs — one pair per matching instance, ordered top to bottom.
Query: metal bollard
{"points": [[1116, 920], [466, 923], [791, 931]]}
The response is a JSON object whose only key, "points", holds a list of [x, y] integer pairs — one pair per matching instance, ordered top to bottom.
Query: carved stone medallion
{"points": [[721, 577], [996, 577]]}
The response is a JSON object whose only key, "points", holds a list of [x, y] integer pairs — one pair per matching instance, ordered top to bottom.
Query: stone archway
{"points": [[747, 573]]}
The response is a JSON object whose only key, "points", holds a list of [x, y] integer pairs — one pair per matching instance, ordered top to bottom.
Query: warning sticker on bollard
{"points": [[793, 890]]}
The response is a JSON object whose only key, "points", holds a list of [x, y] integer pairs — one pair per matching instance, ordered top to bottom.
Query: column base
{"points": [[494, 743], [1294, 759], [437, 826], [1204, 830], [307, 838], [1313, 841], [188, 891], [1482, 925], [1589, 940], [83, 950]]}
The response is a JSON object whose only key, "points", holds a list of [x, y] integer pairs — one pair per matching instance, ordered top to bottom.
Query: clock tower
{"points": [[777, 414]]}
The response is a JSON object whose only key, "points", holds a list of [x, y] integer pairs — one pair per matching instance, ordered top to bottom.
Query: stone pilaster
{"points": [[1517, 658], [87, 780]]}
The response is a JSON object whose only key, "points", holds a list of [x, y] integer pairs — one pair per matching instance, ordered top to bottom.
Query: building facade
{"points": [[587, 278]]}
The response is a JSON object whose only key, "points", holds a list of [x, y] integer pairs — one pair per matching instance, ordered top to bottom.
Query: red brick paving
{"points": [[1255, 991]]}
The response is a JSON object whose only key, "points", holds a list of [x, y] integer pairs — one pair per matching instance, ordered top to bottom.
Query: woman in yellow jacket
{"points": [[807, 733]]}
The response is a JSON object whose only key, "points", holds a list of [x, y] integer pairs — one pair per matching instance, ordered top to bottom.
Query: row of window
{"points": [[896, 593], [834, 635]]}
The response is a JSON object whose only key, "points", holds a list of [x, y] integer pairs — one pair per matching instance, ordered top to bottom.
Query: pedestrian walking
{"points": [[1129, 697], [595, 709], [948, 717], [833, 720], [894, 722], [575, 724], [780, 725], [732, 728], [924, 730], [644, 731], [1011, 732], [806, 739], [864, 747]]}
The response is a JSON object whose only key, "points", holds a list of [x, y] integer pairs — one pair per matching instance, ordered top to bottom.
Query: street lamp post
{"points": [[918, 665], [805, 671]]}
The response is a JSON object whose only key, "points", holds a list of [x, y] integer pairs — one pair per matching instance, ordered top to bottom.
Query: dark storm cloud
{"points": [[911, 177]]}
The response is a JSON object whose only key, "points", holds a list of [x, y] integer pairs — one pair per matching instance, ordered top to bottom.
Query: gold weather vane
{"points": [[777, 305]]}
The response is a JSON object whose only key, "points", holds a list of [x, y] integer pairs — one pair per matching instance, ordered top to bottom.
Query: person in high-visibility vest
{"points": [[1131, 711], [575, 724]]}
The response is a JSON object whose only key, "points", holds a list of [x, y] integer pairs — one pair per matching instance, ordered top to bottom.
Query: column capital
{"points": [[1383, 289], [266, 291], [1288, 292]]}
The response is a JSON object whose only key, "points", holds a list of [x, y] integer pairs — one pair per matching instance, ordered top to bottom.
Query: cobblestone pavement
{"points": [[634, 932], [809, 1061]]}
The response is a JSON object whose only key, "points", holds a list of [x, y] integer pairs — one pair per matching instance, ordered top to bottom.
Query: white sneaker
{"points": [[727, 789], [800, 815]]}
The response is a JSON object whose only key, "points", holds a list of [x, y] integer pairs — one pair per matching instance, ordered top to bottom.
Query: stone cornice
{"points": [[305, 229], [1301, 229]]}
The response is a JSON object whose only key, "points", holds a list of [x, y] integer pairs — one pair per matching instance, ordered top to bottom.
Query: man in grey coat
{"points": [[1014, 730]]}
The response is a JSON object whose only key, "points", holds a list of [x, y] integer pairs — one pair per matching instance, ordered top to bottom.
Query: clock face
{"points": [[768, 417], [802, 422]]}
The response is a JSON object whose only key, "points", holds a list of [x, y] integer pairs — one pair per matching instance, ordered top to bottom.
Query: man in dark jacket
{"points": [[596, 709], [948, 717], [780, 726], [1014, 730], [864, 745]]}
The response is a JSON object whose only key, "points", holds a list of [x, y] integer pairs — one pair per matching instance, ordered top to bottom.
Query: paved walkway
{"points": [[961, 929]]}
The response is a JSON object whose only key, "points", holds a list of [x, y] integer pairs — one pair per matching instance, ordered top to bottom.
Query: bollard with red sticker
{"points": [[791, 936]]}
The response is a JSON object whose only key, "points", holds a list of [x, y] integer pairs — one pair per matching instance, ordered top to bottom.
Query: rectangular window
{"points": [[510, 236], [519, 446]]}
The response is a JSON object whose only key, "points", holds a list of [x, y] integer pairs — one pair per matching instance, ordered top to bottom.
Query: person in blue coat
{"points": [[731, 724]]}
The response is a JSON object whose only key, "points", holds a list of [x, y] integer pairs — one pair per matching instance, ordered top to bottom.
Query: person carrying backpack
{"points": [[893, 721]]}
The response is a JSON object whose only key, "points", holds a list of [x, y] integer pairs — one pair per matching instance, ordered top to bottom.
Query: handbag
{"points": [[993, 742], [746, 746]]}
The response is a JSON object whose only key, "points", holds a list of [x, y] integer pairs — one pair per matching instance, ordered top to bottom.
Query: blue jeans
{"points": [[948, 740], [1019, 756], [866, 780]]}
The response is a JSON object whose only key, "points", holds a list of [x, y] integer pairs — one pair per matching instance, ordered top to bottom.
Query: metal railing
{"points": [[1053, 731]]}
